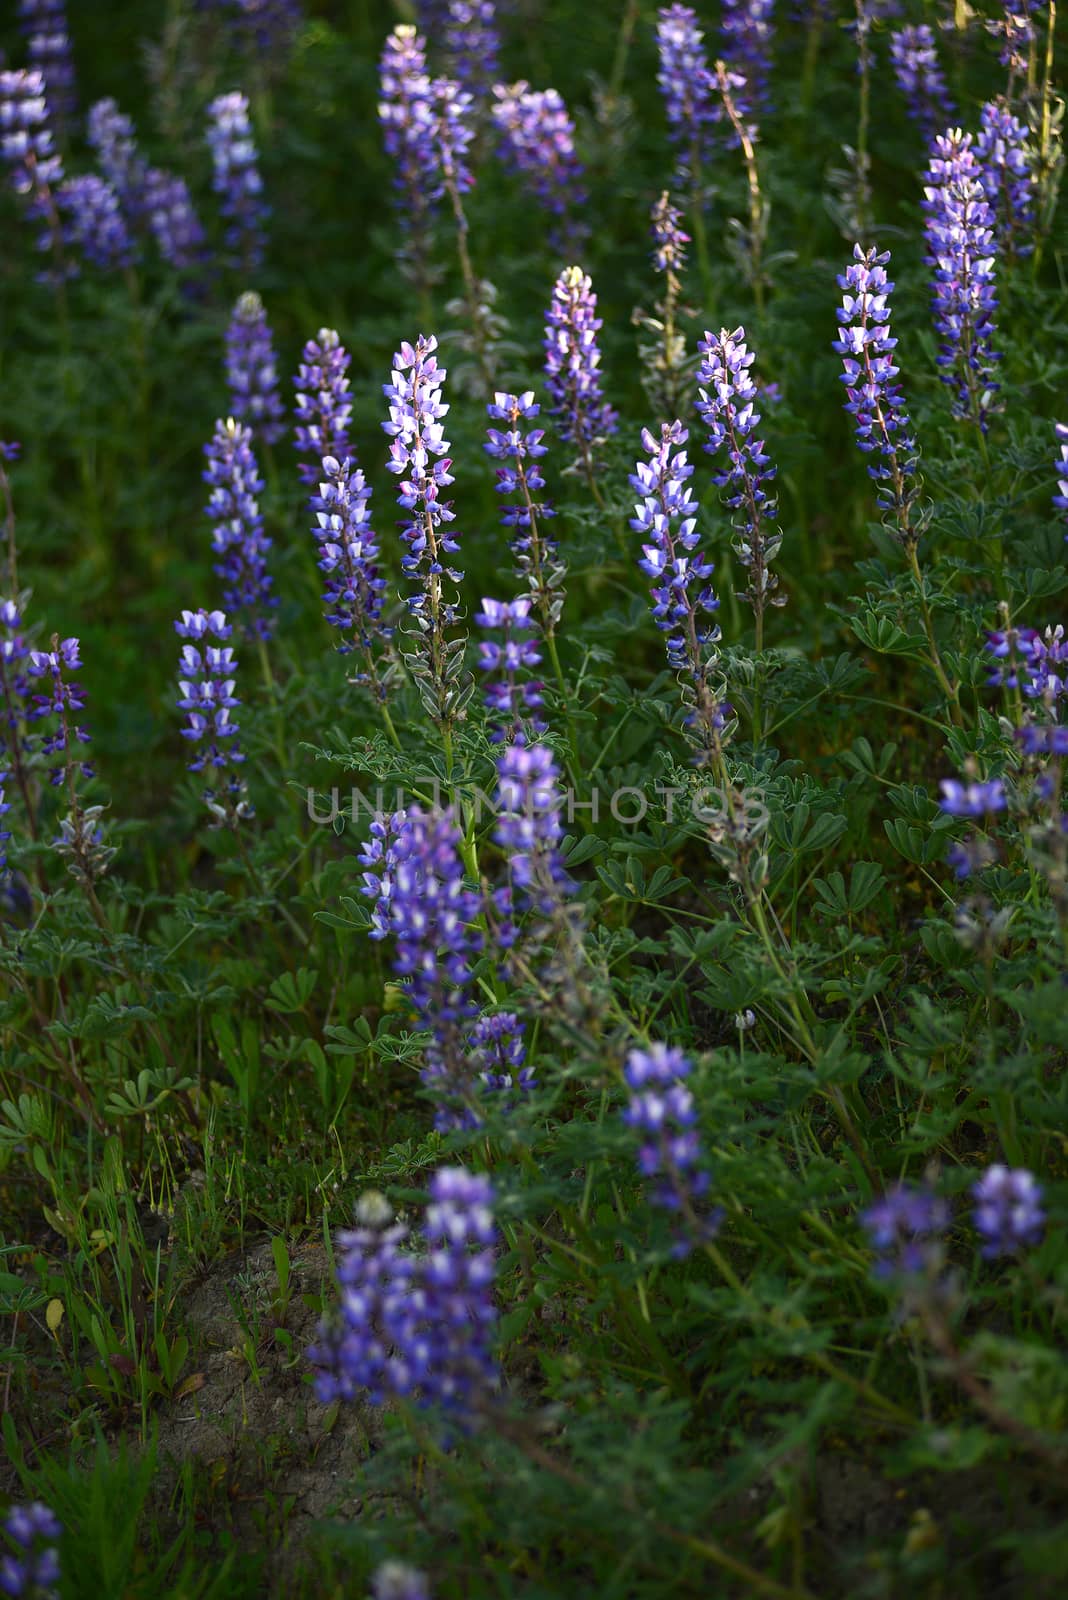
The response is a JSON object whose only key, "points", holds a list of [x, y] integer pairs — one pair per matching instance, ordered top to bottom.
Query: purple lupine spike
{"points": [[44, 24], [1016, 31], [747, 32], [472, 42], [920, 77], [687, 87], [450, 106], [404, 112], [111, 134], [537, 139], [27, 146], [1007, 173], [237, 179], [174, 224], [95, 225], [960, 247], [669, 253], [572, 368], [252, 371], [667, 374], [727, 407], [323, 408], [882, 426], [418, 454], [1060, 499], [238, 536], [535, 553], [349, 556], [684, 603], [207, 677], [510, 693], [14, 701], [972, 799], [528, 828], [81, 838], [389, 841], [430, 914], [498, 1057], [662, 1109], [1008, 1210], [906, 1228], [32, 1571], [395, 1580]]}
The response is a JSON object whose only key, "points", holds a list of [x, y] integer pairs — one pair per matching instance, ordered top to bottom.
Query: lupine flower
{"points": [[44, 23], [1017, 33], [747, 34], [471, 40], [915, 59], [687, 87], [404, 112], [450, 113], [111, 134], [538, 140], [27, 146], [1006, 171], [237, 179], [95, 224], [175, 225], [960, 241], [669, 254], [572, 367], [251, 370], [667, 374], [323, 407], [727, 408], [883, 429], [418, 454], [1060, 499], [238, 536], [535, 553], [349, 556], [684, 603], [1047, 666], [206, 683], [510, 694], [14, 698], [63, 699], [972, 799], [528, 828], [388, 843], [971, 855], [431, 916], [498, 1055], [662, 1108], [1008, 1210], [906, 1229], [416, 1327], [32, 1572], [395, 1580]]}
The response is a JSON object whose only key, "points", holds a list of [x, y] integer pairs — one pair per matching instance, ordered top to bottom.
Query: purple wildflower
{"points": [[44, 23], [747, 33], [472, 42], [915, 59], [686, 84], [404, 112], [450, 113], [111, 134], [537, 138], [27, 146], [1007, 173], [237, 179], [95, 224], [174, 224], [960, 241], [669, 255], [572, 367], [251, 370], [667, 370], [323, 407], [727, 408], [883, 429], [418, 455], [1060, 499], [238, 536], [535, 553], [349, 556], [684, 603], [506, 665], [1047, 666], [206, 683], [14, 697], [63, 700], [972, 799], [528, 827], [389, 842], [971, 855], [498, 1056], [662, 1109], [1008, 1210], [906, 1228], [32, 1572], [395, 1580]]}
